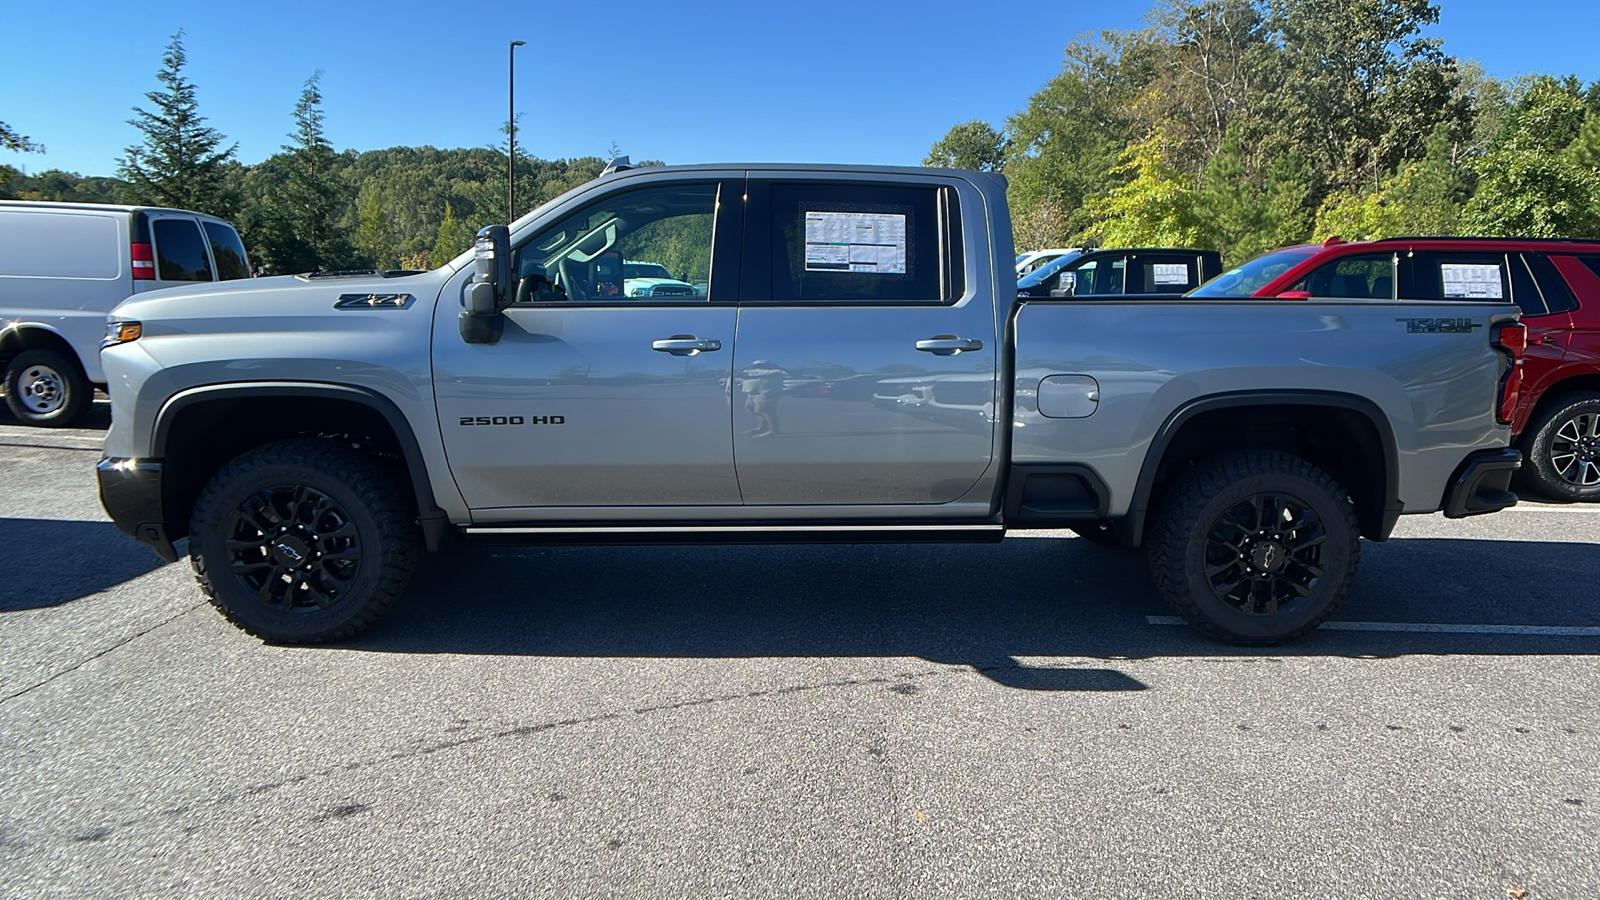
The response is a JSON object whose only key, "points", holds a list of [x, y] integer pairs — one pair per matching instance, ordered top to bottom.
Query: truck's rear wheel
{"points": [[42, 388], [302, 541], [1254, 547]]}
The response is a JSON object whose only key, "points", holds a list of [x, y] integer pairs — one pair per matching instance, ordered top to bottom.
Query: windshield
{"points": [[645, 270], [1255, 274], [1037, 276]]}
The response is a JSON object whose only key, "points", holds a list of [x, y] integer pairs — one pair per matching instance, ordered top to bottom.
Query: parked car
{"points": [[1033, 259], [63, 266], [1148, 271], [646, 279], [1556, 284], [1247, 446]]}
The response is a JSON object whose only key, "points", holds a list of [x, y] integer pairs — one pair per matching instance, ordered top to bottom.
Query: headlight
{"points": [[121, 333]]}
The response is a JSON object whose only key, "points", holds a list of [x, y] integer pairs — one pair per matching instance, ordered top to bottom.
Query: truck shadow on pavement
{"points": [[48, 562], [988, 607]]}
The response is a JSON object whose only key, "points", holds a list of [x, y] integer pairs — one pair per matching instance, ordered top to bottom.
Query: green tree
{"points": [[11, 140], [970, 145], [178, 164], [1535, 180], [313, 195], [1423, 198], [1156, 207], [372, 228], [454, 236]]}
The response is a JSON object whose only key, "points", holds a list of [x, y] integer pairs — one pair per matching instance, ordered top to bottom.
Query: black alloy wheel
{"points": [[304, 540], [1254, 547], [293, 548], [1265, 553]]}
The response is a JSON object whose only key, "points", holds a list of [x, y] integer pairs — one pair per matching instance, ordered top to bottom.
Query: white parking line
{"points": [[1566, 510], [1433, 628]]}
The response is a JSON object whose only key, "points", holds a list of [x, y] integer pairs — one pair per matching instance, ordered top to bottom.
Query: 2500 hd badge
{"points": [[513, 420]]}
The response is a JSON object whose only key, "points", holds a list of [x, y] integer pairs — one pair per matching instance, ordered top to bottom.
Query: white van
{"points": [[63, 266]]}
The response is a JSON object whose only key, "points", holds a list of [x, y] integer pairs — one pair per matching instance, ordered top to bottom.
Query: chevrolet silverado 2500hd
{"points": [[859, 367]]}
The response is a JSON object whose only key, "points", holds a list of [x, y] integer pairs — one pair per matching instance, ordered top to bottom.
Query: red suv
{"points": [[1556, 422]]}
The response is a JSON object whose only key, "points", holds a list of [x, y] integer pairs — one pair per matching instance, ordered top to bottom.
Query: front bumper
{"points": [[1482, 483], [130, 491]]}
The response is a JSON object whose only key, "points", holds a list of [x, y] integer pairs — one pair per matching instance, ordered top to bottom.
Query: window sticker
{"points": [[856, 242], [1171, 273], [1472, 282]]}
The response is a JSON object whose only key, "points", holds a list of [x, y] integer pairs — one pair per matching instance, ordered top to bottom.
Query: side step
{"points": [[735, 534]]}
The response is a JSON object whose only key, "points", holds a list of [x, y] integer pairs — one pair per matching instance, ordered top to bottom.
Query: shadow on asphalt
{"points": [[48, 562], [986, 606]]}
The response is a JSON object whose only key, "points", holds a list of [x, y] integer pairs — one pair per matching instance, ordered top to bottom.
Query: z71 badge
{"points": [[1440, 326], [513, 420]]}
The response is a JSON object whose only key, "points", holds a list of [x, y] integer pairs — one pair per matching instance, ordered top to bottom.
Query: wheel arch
{"points": [[26, 336], [1557, 394], [198, 431], [1348, 436]]}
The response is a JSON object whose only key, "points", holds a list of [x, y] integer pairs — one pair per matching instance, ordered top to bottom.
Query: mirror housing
{"points": [[1294, 295], [484, 298]]}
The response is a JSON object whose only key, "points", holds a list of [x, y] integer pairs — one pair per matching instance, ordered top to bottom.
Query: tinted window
{"points": [[861, 242], [653, 244], [180, 251], [228, 251], [1162, 274], [1099, 276], [1458, 276], [1367, 277], [1552, 284], [1523, 291]]}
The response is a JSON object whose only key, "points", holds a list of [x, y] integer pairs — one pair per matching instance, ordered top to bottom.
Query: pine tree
{"points": [[178, 164], [313, 194]]}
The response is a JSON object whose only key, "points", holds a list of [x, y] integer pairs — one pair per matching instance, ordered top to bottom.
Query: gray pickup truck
{"points": [[858, 367]]}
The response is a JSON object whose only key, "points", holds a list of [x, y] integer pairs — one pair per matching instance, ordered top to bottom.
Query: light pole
{"points": [[511, 130]]}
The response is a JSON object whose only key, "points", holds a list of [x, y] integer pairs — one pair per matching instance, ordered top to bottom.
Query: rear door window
{"points": [[859, 241], [180, 251], [228, 251], [1156, 274], [1437, 275], [1369, 276], [1524, 292]]}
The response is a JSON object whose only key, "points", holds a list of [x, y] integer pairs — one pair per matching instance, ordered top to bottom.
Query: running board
{"points": [[736, 534]]}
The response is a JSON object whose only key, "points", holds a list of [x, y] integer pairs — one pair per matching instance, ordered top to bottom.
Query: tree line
{"points": [[1244, 125], [307, 207]]}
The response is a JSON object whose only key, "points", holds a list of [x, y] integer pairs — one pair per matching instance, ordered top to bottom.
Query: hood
{"points": [[277, 295]]}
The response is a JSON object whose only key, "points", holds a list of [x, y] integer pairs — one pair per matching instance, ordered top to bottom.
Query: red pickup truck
{"points": [[1556, 419]]}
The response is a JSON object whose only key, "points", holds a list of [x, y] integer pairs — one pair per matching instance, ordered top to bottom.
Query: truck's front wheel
{"points": [[302, 541], [1254, 547]]}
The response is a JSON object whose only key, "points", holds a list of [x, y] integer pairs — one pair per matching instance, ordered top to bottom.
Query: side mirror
{"points": [[1294, 295], [485, 297]]}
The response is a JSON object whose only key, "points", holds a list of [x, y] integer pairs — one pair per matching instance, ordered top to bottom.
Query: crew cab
{"points": [[1556, 284], [859, 368]]}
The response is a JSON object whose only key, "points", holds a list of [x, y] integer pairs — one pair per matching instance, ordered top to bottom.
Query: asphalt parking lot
{"points": [[1013, 720]]}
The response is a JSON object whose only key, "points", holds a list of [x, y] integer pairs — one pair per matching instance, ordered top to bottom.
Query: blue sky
{"points": [[826, 81]]}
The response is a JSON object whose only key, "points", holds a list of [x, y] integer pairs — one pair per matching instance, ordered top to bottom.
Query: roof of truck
{"points": [[103, 207]]}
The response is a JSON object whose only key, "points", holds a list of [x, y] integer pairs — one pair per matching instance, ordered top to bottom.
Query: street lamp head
{"points": [[518, 43]]}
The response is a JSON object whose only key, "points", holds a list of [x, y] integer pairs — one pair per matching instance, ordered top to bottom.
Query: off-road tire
{"points": [[66, 377], [1541, 438], [359, 490], [1196, 517]]}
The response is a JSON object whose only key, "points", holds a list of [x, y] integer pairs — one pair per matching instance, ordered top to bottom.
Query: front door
{"points": [[865, 368], [610, 384]]}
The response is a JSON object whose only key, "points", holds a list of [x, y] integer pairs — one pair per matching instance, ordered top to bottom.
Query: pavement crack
{"points": [[122, 643]]}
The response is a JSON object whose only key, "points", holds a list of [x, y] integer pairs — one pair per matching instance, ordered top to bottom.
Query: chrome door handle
{"points": [[948, 344], [685, 345]]}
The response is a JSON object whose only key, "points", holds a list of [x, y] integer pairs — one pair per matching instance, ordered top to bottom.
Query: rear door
{"points": [[864, 369]]}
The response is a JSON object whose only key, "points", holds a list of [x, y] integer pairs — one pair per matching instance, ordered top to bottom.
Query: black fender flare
{"points": [[434, 519], [1132, 525]]}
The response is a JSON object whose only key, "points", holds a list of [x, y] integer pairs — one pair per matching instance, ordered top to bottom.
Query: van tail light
{"points": [[144, 262], [1513, 339]]}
